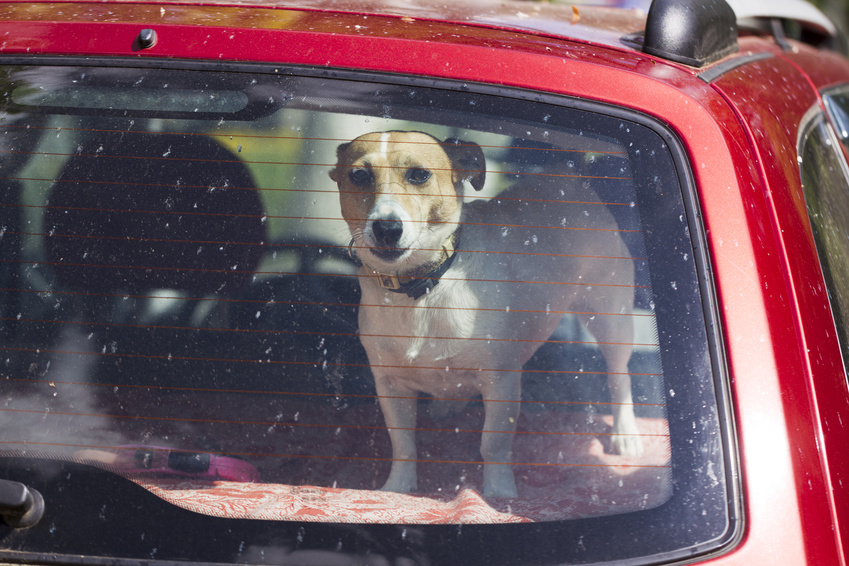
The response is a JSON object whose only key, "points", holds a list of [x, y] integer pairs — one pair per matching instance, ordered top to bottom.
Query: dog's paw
{"points": [[625, 439], [626, 445], [498, 481], [400, 484], [398, 488]]}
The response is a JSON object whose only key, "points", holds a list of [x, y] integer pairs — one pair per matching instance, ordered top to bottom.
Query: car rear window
{"points": [[263, 295]]}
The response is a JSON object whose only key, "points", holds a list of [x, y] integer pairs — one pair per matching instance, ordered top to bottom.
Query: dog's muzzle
{"points": [[387, 232], [387, 235]]}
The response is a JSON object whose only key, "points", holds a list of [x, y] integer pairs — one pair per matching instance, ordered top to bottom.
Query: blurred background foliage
{"points": [[837, 10]]}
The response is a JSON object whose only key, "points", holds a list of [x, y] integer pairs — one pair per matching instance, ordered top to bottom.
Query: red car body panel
{"points": [[781, 203], [788, 383]]}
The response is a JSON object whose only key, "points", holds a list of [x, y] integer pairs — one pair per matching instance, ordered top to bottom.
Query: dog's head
{"points": [[401, 194]]}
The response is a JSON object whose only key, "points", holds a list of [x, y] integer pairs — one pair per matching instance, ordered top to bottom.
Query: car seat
{"points": [[135, 211]]}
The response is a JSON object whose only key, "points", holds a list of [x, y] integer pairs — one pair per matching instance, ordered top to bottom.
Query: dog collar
{"points": [[420, 281]]}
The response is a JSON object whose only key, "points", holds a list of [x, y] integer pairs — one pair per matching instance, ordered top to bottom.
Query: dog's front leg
{"points": [[501, 399], [399, 411]]}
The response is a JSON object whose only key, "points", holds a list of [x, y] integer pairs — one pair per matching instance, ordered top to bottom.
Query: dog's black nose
{"points": [[387, 231]]}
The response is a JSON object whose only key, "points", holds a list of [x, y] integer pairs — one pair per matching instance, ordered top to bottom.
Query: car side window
{"points": [[825, 180]]}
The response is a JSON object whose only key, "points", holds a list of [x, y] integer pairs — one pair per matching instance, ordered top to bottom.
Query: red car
{"points": [[328, 282]]}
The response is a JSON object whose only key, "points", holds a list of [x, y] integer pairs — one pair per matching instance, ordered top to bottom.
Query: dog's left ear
{"points": [[468, 161]]}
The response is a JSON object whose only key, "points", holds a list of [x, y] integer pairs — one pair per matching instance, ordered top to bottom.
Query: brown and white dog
{"points": [[520, 266]]}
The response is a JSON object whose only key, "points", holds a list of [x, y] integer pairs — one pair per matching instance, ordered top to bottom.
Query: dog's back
{"points": [[544, 247]]}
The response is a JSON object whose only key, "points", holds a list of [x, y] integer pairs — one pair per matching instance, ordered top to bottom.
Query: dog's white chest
{"points": [[428, 330]]}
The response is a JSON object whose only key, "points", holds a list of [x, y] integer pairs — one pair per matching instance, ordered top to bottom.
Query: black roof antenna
{"points": [[692, 32]]}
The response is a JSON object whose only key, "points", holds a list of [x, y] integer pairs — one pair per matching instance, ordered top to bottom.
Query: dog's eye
{"points": [[418, 176], [360, 177]]}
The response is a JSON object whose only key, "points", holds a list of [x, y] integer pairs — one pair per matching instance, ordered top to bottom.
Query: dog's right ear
{"points": [[468, 161], [335, 173]]}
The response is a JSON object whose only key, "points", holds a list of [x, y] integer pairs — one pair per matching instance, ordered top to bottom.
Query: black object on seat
{"points": [[134, 211]]}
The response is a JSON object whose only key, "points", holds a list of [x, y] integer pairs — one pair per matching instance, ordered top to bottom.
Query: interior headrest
{"points": [[135, 211]]}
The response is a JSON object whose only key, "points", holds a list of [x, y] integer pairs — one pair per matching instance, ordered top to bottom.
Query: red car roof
{"points": [[604, 25]]}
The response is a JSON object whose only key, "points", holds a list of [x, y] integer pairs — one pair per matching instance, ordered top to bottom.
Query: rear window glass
{"points": [[291, 303]]}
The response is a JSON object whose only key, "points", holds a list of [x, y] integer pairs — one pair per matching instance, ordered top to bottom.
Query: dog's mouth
{"points": [[388, 254]]}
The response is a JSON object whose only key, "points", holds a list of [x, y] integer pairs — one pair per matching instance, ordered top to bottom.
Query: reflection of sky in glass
{"points": [[174, 100]]}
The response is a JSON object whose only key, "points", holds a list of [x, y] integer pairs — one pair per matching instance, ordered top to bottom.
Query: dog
{"points": [[457, 297]]}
